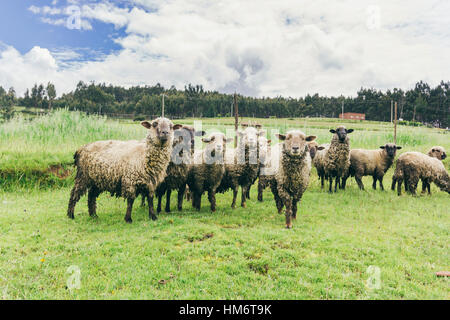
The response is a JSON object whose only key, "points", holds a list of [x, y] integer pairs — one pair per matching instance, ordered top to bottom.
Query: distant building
{"points": [[352, 116]]}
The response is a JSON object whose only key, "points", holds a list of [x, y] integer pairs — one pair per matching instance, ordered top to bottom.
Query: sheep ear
{"points": [[146, 124], [244, 125], [177, 126], [258, 126], [350, 130], [333, 131], [199, 133], [282, 137], [311, 138], [206, 140], [269, 141], [382, 147], [398, 147], [320, 148]]}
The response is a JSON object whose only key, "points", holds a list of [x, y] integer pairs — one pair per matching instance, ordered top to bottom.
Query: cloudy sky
{"points": [[254, 47]]}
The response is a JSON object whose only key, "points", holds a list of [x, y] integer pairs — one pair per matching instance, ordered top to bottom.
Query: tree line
{"points": [[423, 103]]}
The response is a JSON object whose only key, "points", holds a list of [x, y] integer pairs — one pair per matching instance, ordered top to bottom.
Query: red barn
{"points": [[352, 116]]}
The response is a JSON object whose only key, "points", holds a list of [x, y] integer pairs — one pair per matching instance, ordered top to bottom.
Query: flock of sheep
{"points": [[167, 160]]}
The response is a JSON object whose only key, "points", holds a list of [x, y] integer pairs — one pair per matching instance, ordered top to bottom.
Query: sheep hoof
{"points": [[244, 205], [94, 216], [154, 218], [129, 220], [289, 226]]}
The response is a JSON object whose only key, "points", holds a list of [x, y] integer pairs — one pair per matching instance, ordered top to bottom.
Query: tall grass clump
{"points": [[29, 147]]}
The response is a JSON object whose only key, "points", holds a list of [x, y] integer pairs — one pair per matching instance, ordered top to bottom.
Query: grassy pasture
{"points": [[240, 254]]}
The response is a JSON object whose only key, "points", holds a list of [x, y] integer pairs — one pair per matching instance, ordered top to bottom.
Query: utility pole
{"points": [[163, 106], [343, 109], [392, 109], [236, 119], [395, 124]]}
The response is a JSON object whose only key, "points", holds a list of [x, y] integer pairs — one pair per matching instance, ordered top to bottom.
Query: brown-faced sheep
{"points": [[437, 152], [337, 157], [319, 162], [373, 163], [241, 165], [413, 166], [123, 168], [208, 169], [177, 171], [292, 172]]}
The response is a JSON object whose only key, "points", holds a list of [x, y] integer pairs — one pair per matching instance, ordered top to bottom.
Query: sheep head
{"points": [[161, 130], [341, 133], [249, 137], [295, 143], [216, 144], [391, 149], [438, 153]]}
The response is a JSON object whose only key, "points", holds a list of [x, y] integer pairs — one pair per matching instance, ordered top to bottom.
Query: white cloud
{"points": [[255, 47]]}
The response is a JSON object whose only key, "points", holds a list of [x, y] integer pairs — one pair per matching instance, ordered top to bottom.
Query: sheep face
{"points": [[160, 129], [341, 133], [186, 136], [249, 137], [184, 143], [295, 143], [216, 145], [313, 148], [391, 149], [438, 153]]}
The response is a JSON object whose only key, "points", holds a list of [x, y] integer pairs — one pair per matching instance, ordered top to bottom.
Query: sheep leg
{"points": [[358, 179], [380, 179], [322, 180], [394, 181], [336, 182], [344, 183], [374, 183], [331, 184], [413, 185], [399, 186], [429, 187], [260, 191], [77, 192], [181, 192], [235, 192], [169, 193], [247, 195], [243, 197], [197, 200], [212, 200], [143, 201], [92, 202], [130, 202], [288, 203], [158, 209], [294, 209], [151, 211]]}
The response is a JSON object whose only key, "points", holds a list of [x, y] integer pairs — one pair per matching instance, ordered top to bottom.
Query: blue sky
{"points": [[22, 29], [254, 47]]}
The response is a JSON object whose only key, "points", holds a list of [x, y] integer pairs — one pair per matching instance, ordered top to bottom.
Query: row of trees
{"points": [[40, 97], [422, 103]]}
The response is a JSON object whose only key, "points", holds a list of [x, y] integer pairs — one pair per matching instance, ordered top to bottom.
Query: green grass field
{"points": [[350, 245]]}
